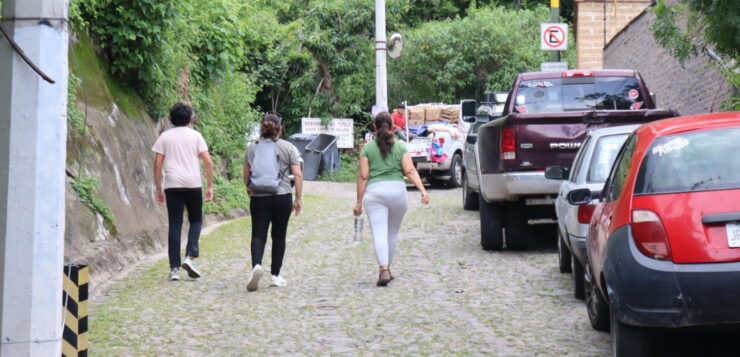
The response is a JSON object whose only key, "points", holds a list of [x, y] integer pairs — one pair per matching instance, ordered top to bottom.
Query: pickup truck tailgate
{"points": [[547, 139]]}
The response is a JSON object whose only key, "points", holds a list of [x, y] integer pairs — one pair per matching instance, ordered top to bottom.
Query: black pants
{"points": [[177, 199], [266, 210]]}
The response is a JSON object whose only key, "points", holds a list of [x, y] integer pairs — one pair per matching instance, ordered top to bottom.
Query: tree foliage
{"points": [[688, 27], [453, 59]]}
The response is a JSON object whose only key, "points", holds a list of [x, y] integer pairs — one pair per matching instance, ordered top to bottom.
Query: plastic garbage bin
{"points": [[300, 141], [328, 159]]}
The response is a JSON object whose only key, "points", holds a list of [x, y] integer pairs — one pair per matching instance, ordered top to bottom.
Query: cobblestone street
{"points": [[449, 298]]}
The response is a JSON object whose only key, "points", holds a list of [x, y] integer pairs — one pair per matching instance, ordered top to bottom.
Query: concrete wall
{"points": [[596, 25], [695, 88]]}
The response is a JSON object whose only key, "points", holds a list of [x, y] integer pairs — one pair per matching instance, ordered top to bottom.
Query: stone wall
{"points": [[596, 25], [697, 87]]}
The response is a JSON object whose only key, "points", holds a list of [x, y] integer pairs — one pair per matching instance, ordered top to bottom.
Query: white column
{"points": [[381, 83], [33, 133]]}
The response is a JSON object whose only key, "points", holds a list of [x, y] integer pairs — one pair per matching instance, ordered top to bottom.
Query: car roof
{"points": [[597, 73], [698, 122], [613, 130]]}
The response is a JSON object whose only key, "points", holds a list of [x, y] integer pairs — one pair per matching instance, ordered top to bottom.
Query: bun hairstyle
{"points": [[271, 126], [383, 135]]}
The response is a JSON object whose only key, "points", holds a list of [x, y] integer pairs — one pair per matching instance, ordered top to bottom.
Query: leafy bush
{"points": [[445, 61], [225, 114], [75, 117], [348, 170], [86, 188], [228, 195]]}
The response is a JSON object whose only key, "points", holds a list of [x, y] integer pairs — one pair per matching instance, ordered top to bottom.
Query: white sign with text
{"points": [[343, 129]]}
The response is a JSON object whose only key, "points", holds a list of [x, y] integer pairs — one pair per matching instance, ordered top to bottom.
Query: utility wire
{"points": [[25, 58]]}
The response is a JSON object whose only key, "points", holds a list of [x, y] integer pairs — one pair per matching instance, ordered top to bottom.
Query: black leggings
{"points": [[177, 199], [265, 210]]}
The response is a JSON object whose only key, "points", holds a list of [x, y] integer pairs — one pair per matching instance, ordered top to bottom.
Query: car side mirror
{"points": [[467, 107], [472, 138], [557, 172], [580, 197]]}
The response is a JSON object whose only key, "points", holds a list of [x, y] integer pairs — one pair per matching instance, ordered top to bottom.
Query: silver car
{"points": [[590, 169]]}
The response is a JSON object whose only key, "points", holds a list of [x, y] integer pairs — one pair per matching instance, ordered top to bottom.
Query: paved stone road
{"points": [[449, 298]]}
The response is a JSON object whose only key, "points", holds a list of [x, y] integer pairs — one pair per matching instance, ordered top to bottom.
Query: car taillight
{"points": [[569, 74], [508, 144], [585, 212], [649, 234]]}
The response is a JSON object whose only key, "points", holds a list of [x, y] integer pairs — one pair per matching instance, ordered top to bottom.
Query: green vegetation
{"points": [[710, 25], [234, 60], [347, 172], [86, 187]]}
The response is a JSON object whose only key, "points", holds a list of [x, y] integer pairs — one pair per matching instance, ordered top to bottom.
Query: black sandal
{"points": [[384, 277]]}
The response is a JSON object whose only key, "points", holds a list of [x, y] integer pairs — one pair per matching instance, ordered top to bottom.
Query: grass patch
{"points": [[348, 170]]}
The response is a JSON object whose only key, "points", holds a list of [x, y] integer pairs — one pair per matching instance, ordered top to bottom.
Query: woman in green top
{"points": [[380, 186]]}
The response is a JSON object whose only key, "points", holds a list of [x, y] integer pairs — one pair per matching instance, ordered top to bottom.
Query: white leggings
{"points": [[385, 204]]}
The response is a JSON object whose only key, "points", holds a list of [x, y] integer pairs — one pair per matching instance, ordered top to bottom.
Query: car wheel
{"points": [[455, 172], [470, 198], [515, 222], [491, 237], [564, 256], [578, 290], [598, 310], [629, 341]]}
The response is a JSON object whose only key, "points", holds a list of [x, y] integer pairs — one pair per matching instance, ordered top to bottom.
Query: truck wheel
{"points": [[456, 172], [470, 198], [515, 222], [491, 237], [564, 255], [598, 310]]}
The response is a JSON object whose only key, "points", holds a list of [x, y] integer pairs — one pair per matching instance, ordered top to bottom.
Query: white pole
{"points": [[381, 84], [406, 116], [33, 134]]}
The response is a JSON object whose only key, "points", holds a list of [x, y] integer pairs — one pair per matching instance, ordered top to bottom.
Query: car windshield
{"points": [[578, 93], [605, 152], [698, 161]]}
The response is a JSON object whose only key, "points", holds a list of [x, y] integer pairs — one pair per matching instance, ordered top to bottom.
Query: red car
{"points": [[664, 240]]}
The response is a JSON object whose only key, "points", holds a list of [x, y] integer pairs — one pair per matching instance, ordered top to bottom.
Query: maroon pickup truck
{"points": [[545, 119]]}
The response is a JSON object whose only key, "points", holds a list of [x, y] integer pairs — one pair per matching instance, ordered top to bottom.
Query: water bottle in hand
{"points": [[358, 229]]}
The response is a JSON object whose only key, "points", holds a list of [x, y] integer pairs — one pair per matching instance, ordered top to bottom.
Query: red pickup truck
{"points": [[545, 119]]}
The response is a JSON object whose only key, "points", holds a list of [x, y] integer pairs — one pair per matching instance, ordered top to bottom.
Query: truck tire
{"points": [[456, 171], [470, 198], [515, 223], [491, 237]]}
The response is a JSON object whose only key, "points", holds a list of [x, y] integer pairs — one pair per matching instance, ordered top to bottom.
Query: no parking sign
{"points": [[554, 37]]}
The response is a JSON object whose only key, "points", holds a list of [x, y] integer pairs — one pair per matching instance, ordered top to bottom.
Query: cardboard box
{"points": [[433, 114], [451, 114], [416, 115]]}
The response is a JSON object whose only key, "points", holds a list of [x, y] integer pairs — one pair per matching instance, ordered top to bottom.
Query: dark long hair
{"points": [[271, 126], [383, 134]]}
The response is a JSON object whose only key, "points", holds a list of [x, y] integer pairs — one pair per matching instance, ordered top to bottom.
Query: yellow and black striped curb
{"points": [[74, 298]]}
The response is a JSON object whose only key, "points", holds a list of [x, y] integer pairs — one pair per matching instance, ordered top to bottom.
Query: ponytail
{"points": [[383, 134]]}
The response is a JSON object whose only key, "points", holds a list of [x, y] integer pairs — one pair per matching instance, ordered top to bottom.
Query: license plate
{"points": [[733, 234]]}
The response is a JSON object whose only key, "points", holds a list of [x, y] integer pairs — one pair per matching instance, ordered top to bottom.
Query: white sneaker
{"points": [[189, 266], [175, 274], [254, 278], [278, 281]]}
